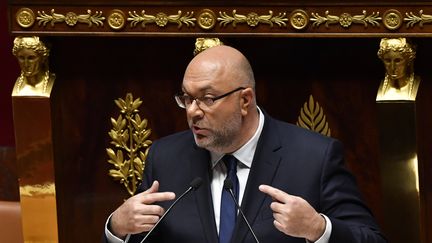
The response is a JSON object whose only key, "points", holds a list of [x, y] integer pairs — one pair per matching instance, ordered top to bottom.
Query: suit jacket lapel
{"points": [[264, 166], [200, 167]]}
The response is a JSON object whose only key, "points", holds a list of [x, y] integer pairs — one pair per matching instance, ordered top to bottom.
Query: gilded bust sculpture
{"points": [[204, 43], [35, 78], [400, 83]]}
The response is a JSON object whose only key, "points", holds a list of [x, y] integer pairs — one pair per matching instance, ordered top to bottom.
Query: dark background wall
{"points": [[9, 71]]}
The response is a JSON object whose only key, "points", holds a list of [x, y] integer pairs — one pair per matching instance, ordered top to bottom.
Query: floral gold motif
{"points": [[25, 17], [70, 18], [116, 19], [161, 19], [206, 19], [252, 19], [299, 19], [346, 19], [392, 19], [412, 19], [312, 117], [129, 135]]}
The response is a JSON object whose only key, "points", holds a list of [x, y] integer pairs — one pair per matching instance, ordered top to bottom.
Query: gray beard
{"points": [[224, 137]]}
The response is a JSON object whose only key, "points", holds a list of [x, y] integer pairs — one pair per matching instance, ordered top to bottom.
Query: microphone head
{"points": [[196, 183], [228, 185]]}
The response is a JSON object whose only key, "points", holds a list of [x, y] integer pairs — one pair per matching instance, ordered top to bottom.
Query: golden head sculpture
{"points": [[398, 56], [35, 78]]}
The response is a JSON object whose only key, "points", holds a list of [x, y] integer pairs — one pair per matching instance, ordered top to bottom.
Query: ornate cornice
{"points": [[208, 20]]}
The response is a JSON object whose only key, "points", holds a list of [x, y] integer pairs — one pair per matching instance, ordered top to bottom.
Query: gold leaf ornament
{"points": [[312, 117], [130, 138]]}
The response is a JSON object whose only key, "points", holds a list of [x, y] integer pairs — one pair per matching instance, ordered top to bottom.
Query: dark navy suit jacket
{"points": [[295, 160]]}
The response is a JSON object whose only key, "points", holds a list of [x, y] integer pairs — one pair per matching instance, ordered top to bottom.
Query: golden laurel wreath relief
{"points": [[312, 117], [129, 136]]}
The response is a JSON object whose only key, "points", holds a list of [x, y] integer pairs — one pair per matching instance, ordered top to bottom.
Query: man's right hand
{"points": [[138, 213]]}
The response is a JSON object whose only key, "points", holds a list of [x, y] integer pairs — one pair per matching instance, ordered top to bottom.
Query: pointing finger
{"points": [[275, 193]]}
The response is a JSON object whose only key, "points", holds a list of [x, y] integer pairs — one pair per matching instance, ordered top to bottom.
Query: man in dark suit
{"points": [[291, 182]]}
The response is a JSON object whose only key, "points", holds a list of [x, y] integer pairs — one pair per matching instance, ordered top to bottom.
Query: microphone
{"points": [[195, 184], [228, 185]]}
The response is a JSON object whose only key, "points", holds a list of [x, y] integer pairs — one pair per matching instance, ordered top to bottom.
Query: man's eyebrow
{"points": [[203, 90]]}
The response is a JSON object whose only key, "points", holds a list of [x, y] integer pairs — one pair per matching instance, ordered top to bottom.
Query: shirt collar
{"points": [[246, 153]]}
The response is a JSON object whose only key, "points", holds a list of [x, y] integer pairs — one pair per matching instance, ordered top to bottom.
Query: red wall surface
{"points": [[9, 71]]}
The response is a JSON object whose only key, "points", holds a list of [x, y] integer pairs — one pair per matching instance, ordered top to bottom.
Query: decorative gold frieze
{"points": [[25, 17], [70, 18], [116, 19], [161, 19], [206, 19], [252, 19], [299, 19], [346, 19], [392, 19], [412, 19], [312, 117], [129, 135]]}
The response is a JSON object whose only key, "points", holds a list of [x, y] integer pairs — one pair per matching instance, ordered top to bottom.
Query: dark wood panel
{"points": [[424, 123], [9, 189]]}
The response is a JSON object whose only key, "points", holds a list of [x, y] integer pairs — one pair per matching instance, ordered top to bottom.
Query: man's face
{"points": [[29, 62], [395, 64], [215, 127]]}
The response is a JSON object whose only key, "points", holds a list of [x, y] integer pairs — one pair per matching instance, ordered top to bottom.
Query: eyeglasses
{"points": [[184, 100]]}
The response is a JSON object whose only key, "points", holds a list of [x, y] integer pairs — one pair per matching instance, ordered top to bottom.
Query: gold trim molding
{"points": [[25, 17], [70, 18], [116, 19], [161, 19], [206, 19], [210, 19], [252, 19], [299, 19], [345, 19], [392, 19], [413, 19], [129, 136]]}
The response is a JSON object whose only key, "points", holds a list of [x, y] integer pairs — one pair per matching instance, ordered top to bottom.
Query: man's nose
{"points": [[194, 110]]}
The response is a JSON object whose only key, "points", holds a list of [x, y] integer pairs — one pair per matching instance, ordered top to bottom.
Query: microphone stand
{"points": [[193, 185]]}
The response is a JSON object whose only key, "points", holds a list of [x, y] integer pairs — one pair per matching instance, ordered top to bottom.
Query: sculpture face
{"points": [[30, 62], [396, 64]]}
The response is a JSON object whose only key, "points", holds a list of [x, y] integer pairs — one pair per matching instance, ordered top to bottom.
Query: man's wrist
{"points": [[318, 228], [325, 237]]}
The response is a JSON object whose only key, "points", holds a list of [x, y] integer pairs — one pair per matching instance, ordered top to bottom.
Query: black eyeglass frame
{"points": [[207, 101]]}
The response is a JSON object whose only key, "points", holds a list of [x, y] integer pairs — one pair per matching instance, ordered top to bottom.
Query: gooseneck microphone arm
{"points": [[193, 186], [228, 186]]}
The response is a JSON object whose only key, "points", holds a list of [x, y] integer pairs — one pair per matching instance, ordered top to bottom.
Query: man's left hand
{"points": [[293, 215]]}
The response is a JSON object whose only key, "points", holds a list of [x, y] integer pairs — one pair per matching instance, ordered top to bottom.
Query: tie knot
{"points": [[230, 163]]}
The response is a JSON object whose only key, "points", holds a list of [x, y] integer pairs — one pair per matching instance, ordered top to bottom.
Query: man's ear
{"points": [[246, 100]]}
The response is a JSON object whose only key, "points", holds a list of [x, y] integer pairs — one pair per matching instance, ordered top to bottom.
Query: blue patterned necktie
{"points": [[228, 212]]}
